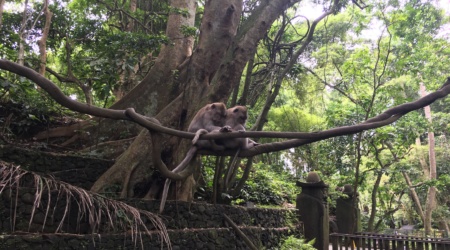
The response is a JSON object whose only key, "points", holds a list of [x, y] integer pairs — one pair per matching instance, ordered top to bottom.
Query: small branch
{"points": [[126, 13], [335, 87], [247, 241]]}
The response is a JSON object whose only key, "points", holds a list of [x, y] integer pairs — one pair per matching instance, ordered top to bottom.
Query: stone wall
{"points": [[80, 171], [179, 214], [189, 226], [223, 238]]}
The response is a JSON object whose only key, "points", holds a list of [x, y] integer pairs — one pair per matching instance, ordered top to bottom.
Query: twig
{"points": [[247, 241]]}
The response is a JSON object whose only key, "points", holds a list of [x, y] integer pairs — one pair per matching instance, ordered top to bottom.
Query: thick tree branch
{"points": [[250, 33], [59, 97], [383, 119]]}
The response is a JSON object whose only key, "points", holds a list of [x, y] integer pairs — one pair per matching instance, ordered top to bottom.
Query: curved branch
{"points": [[62, 99], [383, 119], [302, 138], [156, 154]]}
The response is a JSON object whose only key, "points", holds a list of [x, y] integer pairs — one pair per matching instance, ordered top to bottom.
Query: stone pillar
{"points": [[313, 210], [347, 212]]}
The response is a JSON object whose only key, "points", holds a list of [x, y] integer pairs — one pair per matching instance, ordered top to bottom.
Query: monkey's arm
{"points": [[225, 129], [199, 132]]}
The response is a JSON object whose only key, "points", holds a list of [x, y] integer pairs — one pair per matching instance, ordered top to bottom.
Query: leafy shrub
{"points": [[24, 109], [269, 187], [294, 243]]}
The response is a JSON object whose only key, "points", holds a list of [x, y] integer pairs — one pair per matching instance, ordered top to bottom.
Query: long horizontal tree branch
{"points": [[302, 138]]}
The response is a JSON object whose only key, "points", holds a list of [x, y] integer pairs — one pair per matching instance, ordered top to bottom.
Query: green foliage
{"points": [[182, 12], [188, 31], [90, 43], [347, 75], [25, 110], [291, 118], [269, 186], [292, 243]]}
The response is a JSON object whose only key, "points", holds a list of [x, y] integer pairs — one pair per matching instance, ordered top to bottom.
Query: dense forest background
{"points": [[317, 66]]}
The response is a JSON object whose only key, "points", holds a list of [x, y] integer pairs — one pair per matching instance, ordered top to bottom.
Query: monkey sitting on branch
{"points": [[210, 117], [235, 121]]}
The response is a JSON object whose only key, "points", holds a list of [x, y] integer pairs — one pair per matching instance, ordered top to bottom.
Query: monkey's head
{"points": [[218, 111], [238, 114]]}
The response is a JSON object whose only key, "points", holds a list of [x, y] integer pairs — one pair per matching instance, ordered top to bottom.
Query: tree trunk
{"points": [[2, 3], [219, 22], [22, 34], [43, 41], [209, 75], [126, 77], [248, 80], [150, 98], [414, 196], [431, 197], [373, 210]]}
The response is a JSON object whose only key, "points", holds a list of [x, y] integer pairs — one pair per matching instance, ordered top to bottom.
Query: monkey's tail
{"points": [[183, 164], [232, 166], [164, 195]]}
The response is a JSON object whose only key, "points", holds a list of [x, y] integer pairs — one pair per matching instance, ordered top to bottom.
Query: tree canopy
{"points": [[335, 92]]}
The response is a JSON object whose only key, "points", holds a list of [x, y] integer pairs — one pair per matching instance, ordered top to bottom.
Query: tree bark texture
{"points": [[2, 4], [22, 34], [43, 41], [209, 75], [126, 77], [414, 197], [431, 197], [373, 210]]}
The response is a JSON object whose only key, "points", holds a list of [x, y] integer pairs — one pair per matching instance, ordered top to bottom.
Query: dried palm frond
{"points": [[104, 215]]}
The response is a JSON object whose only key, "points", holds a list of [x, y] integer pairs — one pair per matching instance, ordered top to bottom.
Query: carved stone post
{"points": [[313, 210], [347, 212]]}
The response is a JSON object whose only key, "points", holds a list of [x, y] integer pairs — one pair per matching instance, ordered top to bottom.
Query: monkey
{"points": [[210, 117], [235, 121]]}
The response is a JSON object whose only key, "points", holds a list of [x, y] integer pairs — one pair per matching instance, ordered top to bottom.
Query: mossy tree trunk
{"points": [[179, 84]]}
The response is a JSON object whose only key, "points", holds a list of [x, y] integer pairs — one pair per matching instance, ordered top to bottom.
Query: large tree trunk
{"points": [[2, 3], [220, 24], [23, 34], [43, 41], [209, 75], [126, 77], [149, 98], [431, 197], [373, 210]]}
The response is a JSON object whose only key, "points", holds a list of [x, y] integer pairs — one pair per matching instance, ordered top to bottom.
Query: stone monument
{"points": [[313, 210], [347, 212]]}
